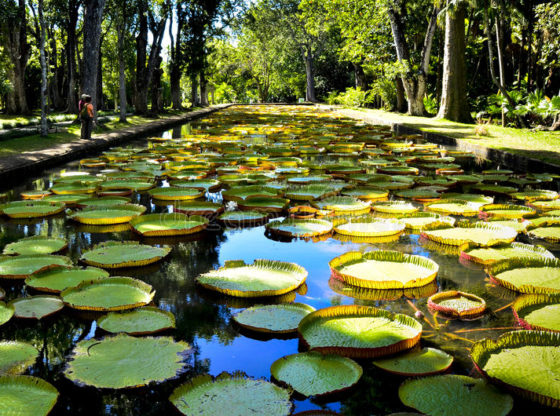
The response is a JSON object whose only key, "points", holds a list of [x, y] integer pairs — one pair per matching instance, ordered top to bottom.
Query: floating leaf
{"points": [[177, 194], [342, 205], [31, 209], [117, 214], [244, 218], [157, 225], [369, 227], [300, 228], [478, 234], [36, 245], [117, 254], [490, 255], [23, 266], [527, 275], [56, 280], [457, 304], [36, 307], [539, 312], [6, 313], [281, 319], [142, 321], [16, 357], [122, 361], [421, 362], [314, 374], [26, 395], [234, 395], [454, 395]]}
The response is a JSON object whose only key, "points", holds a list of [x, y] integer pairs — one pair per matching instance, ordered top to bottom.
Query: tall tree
{"points": [[93, 17], [40, 34], [454, 104]]}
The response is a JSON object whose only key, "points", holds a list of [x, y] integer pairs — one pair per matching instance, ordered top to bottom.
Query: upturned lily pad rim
{"points": [[177, 193], [264, 204], [344, 205], [394, 207], [56, 208], [470, 208], [509, 211], [258, 218], [439, 220], [202, 224], [273, 227], [397, 227], [500, 231], [467, 249], [10, 250], [163, 252], [353, 257], [67, 261], [258, 263], [506, 265], [32, 280], [148, 290], [529, 301], [13, 303], [8, 307], [302, 307], [339, 312], [474, 312], [103, 320], [482, 350], [448, 363], [351, 365], [20, 366], [201, 380], [35, 383]]}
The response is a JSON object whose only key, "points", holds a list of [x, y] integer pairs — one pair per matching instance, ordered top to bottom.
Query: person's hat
{"points": [[84, 96]]}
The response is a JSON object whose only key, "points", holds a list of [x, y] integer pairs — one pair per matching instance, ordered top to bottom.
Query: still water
{"points": [[204, 319]]}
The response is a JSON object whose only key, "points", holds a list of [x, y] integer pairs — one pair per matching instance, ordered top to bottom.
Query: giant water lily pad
{"points": [[133, 185], [73, 188], [242, 192], [310, 192], [366, 192], [176, 193], [536, 195], [103, 202], [263, 204], [341, 205], [394, 207], [453, 207], [199, 208], [31, 209], [506, 211], [118, 214], [244, 218], [419, 220], [158, 225], [369, 227], [300, 228], [478, 234], [551, 234], [36, 245], [117, 254], [490, 255], [22, 266], [384, 269], [527, 275], [262, 278], [58, 279], [108, 294], [457, 304], [36, 307], [539, 312], [6, 313], [280, 319], [142, 321], [359, 331], [16, 357], [123, 361], [421, 362], [526, 362], [313, 374], [26, 395], [232, 395], [454, 395]]}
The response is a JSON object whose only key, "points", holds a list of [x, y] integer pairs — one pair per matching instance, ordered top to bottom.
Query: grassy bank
{"points": [[541, 145]]}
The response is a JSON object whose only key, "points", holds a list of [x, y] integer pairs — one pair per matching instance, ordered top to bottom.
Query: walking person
{"points": [[86, 117]]}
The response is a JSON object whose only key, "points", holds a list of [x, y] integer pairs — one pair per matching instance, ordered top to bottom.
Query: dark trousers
{"points": [[87, 128]]}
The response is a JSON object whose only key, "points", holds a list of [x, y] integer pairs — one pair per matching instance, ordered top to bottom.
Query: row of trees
{"points": [[110, 49], [455, 57]]}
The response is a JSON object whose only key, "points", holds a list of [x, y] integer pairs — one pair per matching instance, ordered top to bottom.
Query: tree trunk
{"points": [[93, 15], [19, 49], [177, 59], [500, 65], [309, 73], [122, 76], [360, 76], [44, 80], [175, 85], [156, 88], [203, 90], [194, 91], [99, 94], [71, 99], [401, 100], [454, 105]]}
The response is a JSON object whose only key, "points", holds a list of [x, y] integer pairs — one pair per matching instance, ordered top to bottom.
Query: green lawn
{"points": [[36, 142], [541, 145]]}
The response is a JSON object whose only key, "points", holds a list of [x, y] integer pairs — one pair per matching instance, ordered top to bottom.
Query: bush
{"points": [[385, 89], [352, 97]]}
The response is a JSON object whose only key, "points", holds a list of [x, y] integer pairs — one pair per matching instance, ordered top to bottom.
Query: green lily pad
{"points": [[133, 185], [210, 185], [73, 188], [309, 192], [176, 193], [240, 193], [367, 193], [536, 195], [474, 198], [66, 199], [106, 201], [263, 204], [341, 205], [546, 205], [394, 207], [453, 207], [199, 208], [31, 209], [506, 211], [117, 214], [244, 218], [419, 220], [158, 225], [369, 227], [297, 228], [478, 234], [551, 234], [36, 245], [117, 254], [491, 255], [23, 266], [383, 269], [527, 275], [262, 278], [56, 280], [108, 294], [457, 304], [36, 307], [539, 312], [6, 313], [279, 319], [142, 321], [358, 331], [16, 357], [122, 361], [421, 362], [526, 362], [314, 374], [231, 394], [26, 395], [454, 395]]}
